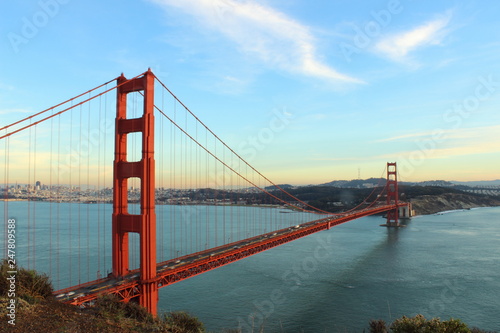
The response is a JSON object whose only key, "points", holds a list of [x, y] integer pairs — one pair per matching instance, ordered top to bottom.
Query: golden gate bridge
{"points": [[163, 153]]}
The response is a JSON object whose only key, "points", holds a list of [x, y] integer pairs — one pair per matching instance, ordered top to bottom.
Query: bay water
{"points": [[444, 265]]}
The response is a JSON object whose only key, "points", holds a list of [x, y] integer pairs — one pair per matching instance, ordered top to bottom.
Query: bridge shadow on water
{"points": [[357, 291]]}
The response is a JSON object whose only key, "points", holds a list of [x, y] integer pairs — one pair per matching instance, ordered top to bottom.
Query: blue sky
{"points": [[308, 91]]}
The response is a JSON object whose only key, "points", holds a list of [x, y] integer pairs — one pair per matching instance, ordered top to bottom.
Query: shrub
{"points": [[30, 285], [111, 306], [183, 322], [419, 324], [408, 325], [378, 326]]}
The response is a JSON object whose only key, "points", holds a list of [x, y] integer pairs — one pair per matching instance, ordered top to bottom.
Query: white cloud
{"points": [[262, 31], [398, 46], [406, 136]]}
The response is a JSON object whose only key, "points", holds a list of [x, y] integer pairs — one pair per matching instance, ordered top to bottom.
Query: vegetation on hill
{"points": [[431, 204], [38, 311], [419, 324]]}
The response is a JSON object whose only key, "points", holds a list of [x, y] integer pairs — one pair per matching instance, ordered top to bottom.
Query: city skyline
{"points": [[306, 92]]}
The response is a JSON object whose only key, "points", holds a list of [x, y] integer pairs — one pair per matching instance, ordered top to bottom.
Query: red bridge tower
{"points": [[392, 195], [123, 222]]}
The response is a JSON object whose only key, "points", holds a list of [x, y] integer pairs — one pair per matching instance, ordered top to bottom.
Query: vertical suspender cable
{"points": [[89, 154], [100, 170], [160, 171], [174, 174], [182, 175], [105, 178], [207, 182], [181, 183], [194, 186], [198, 187], [171, 188], [28, 189], [80, 195], [58, 196], [51, 198], [224, 198], [34, 203], [216, 208], [69, 221], [190, 223]]}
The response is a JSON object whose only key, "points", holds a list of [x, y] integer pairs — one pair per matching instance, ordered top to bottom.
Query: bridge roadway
{"points": [[178, 269]]}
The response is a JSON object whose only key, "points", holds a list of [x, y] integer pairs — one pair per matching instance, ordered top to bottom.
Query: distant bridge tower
{"points": [[392, 195], [123, 222]]}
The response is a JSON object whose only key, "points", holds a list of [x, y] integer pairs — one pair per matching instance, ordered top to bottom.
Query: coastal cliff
{"points": [[431, 204]]}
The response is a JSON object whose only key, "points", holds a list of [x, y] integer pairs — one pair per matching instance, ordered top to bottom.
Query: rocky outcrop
{"points": [[431, 204]]}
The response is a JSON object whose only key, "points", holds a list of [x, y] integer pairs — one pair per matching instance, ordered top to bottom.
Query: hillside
{"points": [[431, 204], [36, 310], [108, 315]]}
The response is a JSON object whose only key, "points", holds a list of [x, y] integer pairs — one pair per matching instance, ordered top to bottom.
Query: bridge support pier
{"points": [[144, 223]]}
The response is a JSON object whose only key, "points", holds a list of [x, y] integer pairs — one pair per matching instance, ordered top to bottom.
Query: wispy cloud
{"points": [[264, 32], [399, 45], [449, 134], [406, 136], [453, 142], [467, 149], [339, 159]]}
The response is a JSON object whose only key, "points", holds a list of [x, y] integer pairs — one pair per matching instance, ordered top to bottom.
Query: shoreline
{"points": [[438, 204], [425, 205], [462, 210], [444, 212]]}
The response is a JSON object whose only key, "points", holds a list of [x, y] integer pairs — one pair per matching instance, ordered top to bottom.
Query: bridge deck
{"points": [[178, 269]]}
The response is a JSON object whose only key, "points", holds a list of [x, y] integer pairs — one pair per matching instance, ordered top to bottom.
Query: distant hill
{"points": [[372, 182], [356, 183], [441, 183], [479, 183], [283, 186]]}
